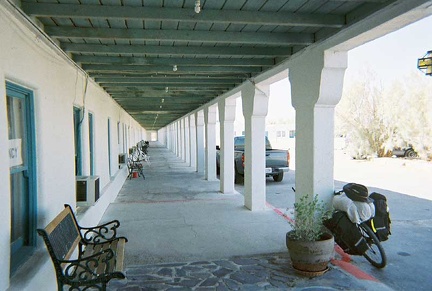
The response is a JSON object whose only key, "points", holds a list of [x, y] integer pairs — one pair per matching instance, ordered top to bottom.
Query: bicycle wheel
{"points": [[375, 253]]}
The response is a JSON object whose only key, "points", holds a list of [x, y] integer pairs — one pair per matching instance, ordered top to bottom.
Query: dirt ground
{"points": [[408, 176]]}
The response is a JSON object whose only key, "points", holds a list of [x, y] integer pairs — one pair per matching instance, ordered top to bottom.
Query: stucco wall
{"points": [[29, 60]]}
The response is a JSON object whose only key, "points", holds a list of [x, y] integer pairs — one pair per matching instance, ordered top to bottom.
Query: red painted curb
{"points": [[353, 270]]}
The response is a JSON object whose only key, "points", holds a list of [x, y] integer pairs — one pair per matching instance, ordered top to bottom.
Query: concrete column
{"points": [[316, 88], [255, 107], [227, 109], [199, 122], [162, 136], [169, 137], [173, 138], [178, 138], [182, 140], [187, 140], [210, 141], [193, 143]]}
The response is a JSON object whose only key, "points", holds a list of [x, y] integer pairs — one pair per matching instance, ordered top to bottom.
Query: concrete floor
{"points": [[176, 219]]}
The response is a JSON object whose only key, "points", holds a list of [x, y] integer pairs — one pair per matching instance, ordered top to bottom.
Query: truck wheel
{"points": [[278, 177], [238, 178]]}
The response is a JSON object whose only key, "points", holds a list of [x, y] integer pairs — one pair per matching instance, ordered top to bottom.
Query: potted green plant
{"points": [[310, 244]]}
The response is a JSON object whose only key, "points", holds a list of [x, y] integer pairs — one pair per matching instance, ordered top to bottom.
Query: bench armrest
{"points": [[100, 233], [92, 267]]}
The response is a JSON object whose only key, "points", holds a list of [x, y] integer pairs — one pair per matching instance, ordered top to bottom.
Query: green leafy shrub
{"points": [[309, 217]]}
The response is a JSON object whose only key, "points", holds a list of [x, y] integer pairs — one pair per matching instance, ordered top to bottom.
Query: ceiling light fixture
{"points": [[197, 6], [175, 68], [166, 89], [163, 100]]}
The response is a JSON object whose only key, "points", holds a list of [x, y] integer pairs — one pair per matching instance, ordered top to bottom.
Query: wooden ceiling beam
{"points": [[183, 14], [221, 37], [155, 50], [247, 62], [168, 69], [166, 81]]}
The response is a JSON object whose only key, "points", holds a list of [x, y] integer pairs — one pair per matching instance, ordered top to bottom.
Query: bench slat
{"points": [[120, 255]]}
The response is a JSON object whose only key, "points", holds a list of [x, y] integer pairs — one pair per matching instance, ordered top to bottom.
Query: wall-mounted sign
{"points": [[15, 152]]}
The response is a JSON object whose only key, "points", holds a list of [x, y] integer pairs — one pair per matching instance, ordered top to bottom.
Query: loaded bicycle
{"points": [[360, 223]]}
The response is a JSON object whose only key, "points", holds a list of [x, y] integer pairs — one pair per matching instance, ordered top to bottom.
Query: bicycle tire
{"points": [[375, 253]]}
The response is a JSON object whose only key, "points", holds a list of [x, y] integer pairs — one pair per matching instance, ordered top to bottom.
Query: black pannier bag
{"points": [[380, 223], [346, 233]]}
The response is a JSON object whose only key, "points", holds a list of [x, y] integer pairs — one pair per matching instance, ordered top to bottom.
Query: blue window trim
{"points": [[17, 91], [91, 143], [109, 146]]}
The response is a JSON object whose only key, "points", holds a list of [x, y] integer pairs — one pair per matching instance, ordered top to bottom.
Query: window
{"points": [[292, 133], [22, 169]]}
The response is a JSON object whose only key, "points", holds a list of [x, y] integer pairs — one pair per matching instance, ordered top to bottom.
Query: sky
{"points": [[391, 57]]}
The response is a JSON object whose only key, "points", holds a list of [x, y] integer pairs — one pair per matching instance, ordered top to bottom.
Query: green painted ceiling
{"points": [[130, 47]]}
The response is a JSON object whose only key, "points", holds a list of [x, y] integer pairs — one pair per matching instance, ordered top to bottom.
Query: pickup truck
{"points": [[277, 161]]}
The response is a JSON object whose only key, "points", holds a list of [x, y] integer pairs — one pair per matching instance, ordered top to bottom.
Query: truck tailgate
{"points": [[276, 158]]}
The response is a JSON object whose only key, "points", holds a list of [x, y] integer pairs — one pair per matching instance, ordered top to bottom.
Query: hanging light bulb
{"points": [[197, 6], [175, 68], [166, 89], [163, 100]]}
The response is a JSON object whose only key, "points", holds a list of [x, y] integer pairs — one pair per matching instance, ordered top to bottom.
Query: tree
{"points": [[362, 118], [414, 119], [375, 120]]}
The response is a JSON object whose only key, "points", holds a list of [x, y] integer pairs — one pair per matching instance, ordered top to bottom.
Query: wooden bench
{"points": [[99, 257]]}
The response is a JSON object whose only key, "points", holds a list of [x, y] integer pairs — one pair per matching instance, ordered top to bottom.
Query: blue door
{"points": [[22, 173]]}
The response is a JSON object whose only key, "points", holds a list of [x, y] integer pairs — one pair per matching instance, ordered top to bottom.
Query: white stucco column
{"points": [[316, 85], [255, 106], [227, 108], [199, 122], [169, 137], [173, 137], [178, 139], [182, 139], [186, 140], [210, 142], [192, 143]]}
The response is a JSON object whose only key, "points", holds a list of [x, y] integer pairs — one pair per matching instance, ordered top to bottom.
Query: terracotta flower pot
{"points": [[311, 258]]}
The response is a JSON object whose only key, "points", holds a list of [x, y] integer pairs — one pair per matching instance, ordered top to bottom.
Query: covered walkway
{"points": [[73, 76], [184, 233]]}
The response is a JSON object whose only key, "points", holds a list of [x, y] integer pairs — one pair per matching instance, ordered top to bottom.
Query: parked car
{"points": [[407, 152], [277, 161]]}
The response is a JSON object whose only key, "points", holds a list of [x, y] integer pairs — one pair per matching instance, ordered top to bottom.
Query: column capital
{"points": [[317, 78], [255, 99], [227, 110], [210, 114], [199, 118], [191, 120]]}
